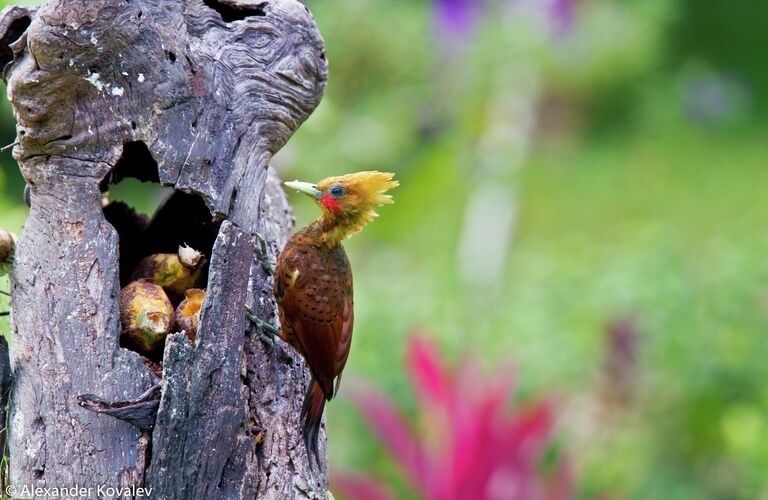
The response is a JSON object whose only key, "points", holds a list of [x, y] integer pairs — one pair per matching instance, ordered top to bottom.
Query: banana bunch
{"points": [[162, 297]]}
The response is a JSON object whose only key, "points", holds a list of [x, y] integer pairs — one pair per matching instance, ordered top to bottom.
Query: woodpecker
{"points": [[313, 285]]}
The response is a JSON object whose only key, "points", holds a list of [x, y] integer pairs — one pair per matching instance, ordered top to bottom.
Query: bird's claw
{"points": [[260, 250], [251, 314], [266, 330], [270, 341]]}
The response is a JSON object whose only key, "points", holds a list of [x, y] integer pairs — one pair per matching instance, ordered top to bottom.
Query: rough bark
{"points": [[194, 94], [6, 381]]}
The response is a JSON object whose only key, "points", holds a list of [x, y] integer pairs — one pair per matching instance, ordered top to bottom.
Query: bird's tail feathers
{"points": [[312, 414]]}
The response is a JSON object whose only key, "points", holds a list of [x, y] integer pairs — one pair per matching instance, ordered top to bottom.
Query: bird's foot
{"points": [[260, 251], [265, 329]]}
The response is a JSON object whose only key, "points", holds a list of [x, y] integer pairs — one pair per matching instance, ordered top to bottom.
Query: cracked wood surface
{"points": [[213, 89]]}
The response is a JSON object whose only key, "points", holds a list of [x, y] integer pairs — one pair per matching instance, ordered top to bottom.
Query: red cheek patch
{"points": [[331, 204]]}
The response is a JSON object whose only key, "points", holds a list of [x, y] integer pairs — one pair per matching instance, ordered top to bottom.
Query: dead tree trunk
{"points": [[194, 94]]}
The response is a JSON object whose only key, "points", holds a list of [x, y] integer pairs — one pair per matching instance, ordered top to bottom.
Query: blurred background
{"points": [[582, 199]]}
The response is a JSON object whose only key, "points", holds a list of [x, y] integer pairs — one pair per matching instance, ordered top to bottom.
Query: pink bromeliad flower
{"points": [[472, 446]]}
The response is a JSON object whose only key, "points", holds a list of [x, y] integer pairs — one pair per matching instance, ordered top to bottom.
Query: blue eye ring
{"points": [[337, 191]]}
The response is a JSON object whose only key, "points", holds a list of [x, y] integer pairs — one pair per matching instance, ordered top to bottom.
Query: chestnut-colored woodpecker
{"points": [[313, 284]]}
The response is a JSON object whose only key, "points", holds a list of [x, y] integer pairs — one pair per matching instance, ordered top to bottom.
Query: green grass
{"points": [[12, 215], [669, 230]]}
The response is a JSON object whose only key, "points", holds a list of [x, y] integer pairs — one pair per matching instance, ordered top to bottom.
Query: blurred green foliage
{"points": [[640, 194]]}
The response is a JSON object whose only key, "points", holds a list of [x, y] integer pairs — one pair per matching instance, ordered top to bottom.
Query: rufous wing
{"points": [[313, 288]]}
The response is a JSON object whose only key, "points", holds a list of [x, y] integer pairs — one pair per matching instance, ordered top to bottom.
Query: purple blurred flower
{"points": [[562, 14], [455, 17], [713, 98], [619, 366], [472, 446]]}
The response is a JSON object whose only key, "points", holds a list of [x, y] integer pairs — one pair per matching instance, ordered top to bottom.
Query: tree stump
{"points": [[193, 94]]}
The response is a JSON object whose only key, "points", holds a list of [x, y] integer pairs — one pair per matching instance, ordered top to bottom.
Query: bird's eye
{"points": [[336, 191]]}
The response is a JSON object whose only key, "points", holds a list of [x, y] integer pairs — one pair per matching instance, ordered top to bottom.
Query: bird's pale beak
{"points": [[306, 188]]}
